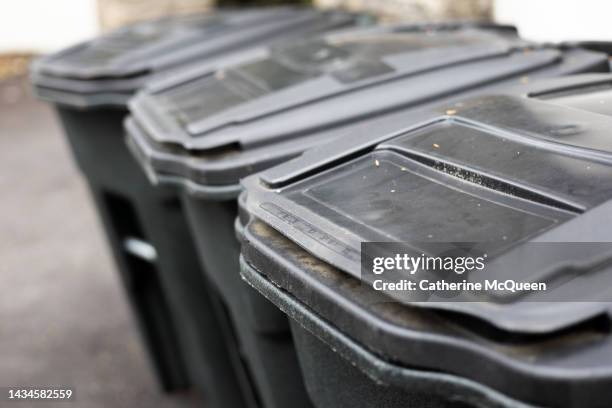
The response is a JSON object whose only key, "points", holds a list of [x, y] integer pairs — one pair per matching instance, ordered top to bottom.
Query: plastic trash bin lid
{"points": [[108, 69], [297, 74], [213, 126], [501, 170]]}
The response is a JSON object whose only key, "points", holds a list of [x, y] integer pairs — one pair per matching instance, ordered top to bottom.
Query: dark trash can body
{"points": [[89, 84], [214, 125], [138, 217], [307, 218]]}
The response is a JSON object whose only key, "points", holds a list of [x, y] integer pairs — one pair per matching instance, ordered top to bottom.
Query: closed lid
{"points": [[145, 47], [122, 60], [295, 75], [500, 171]]}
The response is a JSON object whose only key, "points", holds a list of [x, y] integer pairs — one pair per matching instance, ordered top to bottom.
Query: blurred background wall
{"points": [[417, 10], [115, 13], [556, 20], [44, 25], [39, 26]]}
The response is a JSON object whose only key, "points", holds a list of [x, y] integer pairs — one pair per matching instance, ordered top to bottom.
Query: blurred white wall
{"points": [[116, 13], [557, 20], [45, 25]]}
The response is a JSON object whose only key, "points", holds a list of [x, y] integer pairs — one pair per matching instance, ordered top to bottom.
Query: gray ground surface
{"points": [[63, 319]]}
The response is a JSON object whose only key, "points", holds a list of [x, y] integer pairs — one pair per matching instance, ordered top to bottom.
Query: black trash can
{"points": [[89, 86], [208, 128], [524, 174]]}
